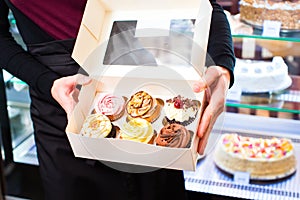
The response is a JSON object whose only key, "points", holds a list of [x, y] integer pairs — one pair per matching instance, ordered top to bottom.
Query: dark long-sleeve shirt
{"points": [[37, 27]]}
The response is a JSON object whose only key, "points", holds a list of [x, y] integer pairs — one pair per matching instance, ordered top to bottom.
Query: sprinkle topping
{"points": [[249, 147]]}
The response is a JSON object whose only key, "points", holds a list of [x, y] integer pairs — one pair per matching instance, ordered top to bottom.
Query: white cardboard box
{"points": [[162, 80]]}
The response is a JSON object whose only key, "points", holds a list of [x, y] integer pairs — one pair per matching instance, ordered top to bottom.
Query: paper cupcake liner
{"points": [[173, 121]]}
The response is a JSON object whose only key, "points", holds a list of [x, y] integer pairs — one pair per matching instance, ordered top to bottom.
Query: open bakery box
{"points": [[128, 46]]}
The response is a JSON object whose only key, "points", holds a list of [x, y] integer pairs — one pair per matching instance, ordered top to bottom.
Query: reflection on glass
{"points": [[124, 48]]}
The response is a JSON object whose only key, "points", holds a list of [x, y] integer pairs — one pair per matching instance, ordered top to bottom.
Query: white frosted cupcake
{"points": [[181, 110], [97, 126]]}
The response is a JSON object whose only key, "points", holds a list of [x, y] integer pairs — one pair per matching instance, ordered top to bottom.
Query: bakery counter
{"points": [[208, 178]]}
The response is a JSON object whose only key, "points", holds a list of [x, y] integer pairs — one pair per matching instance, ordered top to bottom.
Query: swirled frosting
{"points": [[109, 104], [141, 104], [96, 126], [137, 129], [173, 135]]}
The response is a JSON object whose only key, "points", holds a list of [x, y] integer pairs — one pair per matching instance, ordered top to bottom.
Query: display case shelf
{"points": [[293, 36], [287, 43], [251, 44], [287, 100]]}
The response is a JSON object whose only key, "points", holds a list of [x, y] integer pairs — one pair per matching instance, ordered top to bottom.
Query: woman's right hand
{"points": [[64, 90]]}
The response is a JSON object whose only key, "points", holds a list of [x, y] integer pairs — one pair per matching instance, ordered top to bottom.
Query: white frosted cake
{"points": [[257, 11], [261, 76], [262, 158]]}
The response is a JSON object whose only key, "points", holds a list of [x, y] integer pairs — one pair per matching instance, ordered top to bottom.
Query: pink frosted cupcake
{"points": [[110, 105]]}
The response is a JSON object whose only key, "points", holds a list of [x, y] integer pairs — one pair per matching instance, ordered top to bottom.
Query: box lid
{"points": [[157, 33]]}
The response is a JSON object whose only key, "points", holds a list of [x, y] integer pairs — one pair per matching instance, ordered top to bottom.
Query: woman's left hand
{"points": [[215, 82]]}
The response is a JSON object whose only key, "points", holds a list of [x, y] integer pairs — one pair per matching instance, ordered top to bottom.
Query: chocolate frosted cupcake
{"points": [[142, 105], [181, 110], [173, 135]]}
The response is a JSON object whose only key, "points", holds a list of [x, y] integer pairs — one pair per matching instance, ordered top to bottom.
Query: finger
{"points": [[212, 74], [81, 79], [199, 86], [75, 95], [70, 101], [69, 106], [69, 109], [204, 122], [206, 133], [202, 143]]}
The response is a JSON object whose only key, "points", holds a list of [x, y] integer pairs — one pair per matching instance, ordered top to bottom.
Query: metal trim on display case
{"points": [[4, 124]]}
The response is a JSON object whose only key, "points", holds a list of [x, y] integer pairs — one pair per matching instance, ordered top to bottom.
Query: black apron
{"points": [[69, 178]]}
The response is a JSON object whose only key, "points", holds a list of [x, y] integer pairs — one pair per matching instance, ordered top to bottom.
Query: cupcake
{"points": [[110, 105], [142, 105], [181, 110], [98, 126], [137, 129], [173, 135]]}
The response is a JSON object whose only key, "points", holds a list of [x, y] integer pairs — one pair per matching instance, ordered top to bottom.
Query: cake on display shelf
{"points": [[255, 12], [261, 76], [263, 159]]}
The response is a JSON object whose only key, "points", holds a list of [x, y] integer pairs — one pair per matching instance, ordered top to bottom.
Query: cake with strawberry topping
{"points": [[181, 110], [262, 158]]}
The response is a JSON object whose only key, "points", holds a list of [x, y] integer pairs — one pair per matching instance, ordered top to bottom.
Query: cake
{"points": [[256, 12], [261, 76], [110, 105], [143, 105], [181, 110], [97, 126], [138, 130], [173, 135], [262, 158]]}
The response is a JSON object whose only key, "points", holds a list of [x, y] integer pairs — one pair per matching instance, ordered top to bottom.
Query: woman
{"points": [[48, 31]]}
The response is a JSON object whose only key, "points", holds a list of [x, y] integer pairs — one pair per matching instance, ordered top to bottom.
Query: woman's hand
{"points": [[215, 83], [64, 91]]}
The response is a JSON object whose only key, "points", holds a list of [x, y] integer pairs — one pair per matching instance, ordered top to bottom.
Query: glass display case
{"points": [[250, 44], [273, 113], [19, 128]]}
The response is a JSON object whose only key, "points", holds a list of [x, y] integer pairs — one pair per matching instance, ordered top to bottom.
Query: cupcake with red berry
{"points": [[181, 110]]}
